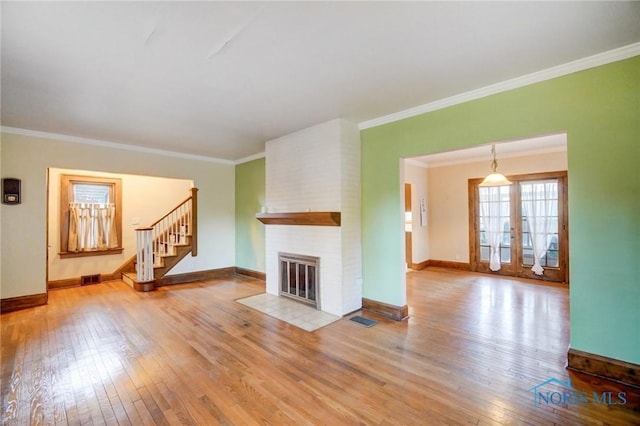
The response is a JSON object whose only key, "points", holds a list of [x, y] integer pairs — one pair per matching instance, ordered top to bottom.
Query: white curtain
{"points": [[539, 206], [493, 223], [92, 227]]}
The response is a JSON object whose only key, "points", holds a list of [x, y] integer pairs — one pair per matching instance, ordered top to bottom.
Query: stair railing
{"points": [[170, 230]]}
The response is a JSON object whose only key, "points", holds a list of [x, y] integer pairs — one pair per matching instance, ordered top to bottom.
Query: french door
{"points": [[520, 229]]}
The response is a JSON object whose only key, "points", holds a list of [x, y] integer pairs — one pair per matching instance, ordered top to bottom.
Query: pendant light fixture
{"points": [[495, 178]]}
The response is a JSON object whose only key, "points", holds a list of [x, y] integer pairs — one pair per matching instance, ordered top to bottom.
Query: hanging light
{"points": [[495, 178]]}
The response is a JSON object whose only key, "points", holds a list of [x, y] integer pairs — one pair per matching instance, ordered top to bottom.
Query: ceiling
{"points": [[218, 79]]}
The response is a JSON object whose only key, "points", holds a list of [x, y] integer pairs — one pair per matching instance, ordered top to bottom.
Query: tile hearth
{"points": [[292, 312]]}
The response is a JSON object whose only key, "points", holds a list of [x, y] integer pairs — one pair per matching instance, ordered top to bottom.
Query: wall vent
{"points": [[90, 279]]}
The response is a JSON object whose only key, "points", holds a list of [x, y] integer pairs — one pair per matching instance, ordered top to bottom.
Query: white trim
{"points": [[536, 77], [114, 145], [250, 158]]}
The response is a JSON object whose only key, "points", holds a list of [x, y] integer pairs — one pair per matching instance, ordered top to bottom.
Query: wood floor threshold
{"points": [[607, 368]]}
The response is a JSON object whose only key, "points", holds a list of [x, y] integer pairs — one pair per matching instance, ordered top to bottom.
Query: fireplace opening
{"points": [[299, 278]]}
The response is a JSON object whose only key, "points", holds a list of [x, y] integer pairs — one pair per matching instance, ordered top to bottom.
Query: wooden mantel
{"points": [[300, 218]]}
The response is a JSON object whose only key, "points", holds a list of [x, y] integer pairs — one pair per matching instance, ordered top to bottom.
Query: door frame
{"points": [[408, 235], [516, 268]]}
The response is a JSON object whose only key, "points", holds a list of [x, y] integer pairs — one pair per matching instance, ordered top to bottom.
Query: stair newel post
{"points": [[193, 226], [144, 248]]}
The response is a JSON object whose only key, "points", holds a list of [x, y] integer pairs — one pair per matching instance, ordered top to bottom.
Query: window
{"points": [[90, 216]]}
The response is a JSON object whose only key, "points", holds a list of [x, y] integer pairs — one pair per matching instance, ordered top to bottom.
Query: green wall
{"points": [[600, 110], [250, 198]]}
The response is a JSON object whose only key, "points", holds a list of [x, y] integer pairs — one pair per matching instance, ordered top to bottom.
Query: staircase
{"points": [[162, 245]]}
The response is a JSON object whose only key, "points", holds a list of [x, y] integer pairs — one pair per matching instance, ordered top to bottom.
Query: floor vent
{"points": [[89, 279], [363, 321]]}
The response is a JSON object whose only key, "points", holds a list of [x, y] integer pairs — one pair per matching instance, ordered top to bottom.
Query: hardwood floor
{"points": [[470, 353]]}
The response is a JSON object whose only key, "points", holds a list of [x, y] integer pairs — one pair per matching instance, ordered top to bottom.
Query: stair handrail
{"points": [[180, 222], [171, 229]]}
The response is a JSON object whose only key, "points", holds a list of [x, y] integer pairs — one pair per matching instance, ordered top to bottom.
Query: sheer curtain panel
{"points": [[539, 208], [493, 221], [92, 226]]}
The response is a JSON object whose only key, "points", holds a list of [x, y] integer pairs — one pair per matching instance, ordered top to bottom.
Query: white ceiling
{"points": [[218, 79]]}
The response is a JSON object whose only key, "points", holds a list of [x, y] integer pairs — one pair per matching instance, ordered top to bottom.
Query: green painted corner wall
{"points": [[599, 109], [250, 198]]}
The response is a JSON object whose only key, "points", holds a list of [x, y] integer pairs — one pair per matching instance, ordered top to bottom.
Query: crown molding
{"points": [[604, 58], [106, 144], [250, 158]]}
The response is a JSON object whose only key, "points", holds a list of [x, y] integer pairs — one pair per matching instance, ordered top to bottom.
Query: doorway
{"points": [[408, 226], [520, 230]]}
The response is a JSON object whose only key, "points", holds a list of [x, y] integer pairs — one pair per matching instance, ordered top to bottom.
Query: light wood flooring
{"points": [[470, 353]]}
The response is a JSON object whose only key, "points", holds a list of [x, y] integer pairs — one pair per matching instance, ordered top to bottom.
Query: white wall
{"points": [[318, 169], [303, 170], [417, 176], [145, 199], [448, 202], [351, 218], [24, 226]]}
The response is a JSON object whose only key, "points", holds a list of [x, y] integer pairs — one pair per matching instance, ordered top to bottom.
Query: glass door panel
{"points": [[540, 228], [495, 229], [520, 230]]}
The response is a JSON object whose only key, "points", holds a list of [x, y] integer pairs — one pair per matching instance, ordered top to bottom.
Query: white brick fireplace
{"points": [[318, 170]]}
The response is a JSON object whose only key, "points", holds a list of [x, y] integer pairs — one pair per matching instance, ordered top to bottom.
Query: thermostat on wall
{"points": [[10, 191]]}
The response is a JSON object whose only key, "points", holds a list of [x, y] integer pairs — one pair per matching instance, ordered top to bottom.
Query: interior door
{"points": [[520, 229]]}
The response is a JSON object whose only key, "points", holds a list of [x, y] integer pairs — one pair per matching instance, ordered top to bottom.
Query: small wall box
{"points": [[11, 191]]}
